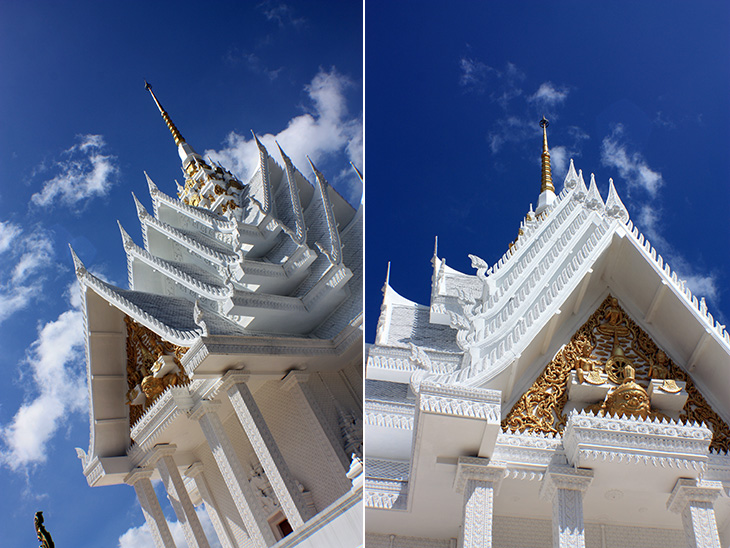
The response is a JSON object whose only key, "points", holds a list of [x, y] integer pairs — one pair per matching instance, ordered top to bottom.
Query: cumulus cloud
{"points": [[548, 95], [324, 131], [630, 165], [82, 172], [27, 256], [55, 362], [140, 537]]}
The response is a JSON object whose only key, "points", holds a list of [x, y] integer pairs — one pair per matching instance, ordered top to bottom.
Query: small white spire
{"points": [[571, 179], [593, 199], [614, 206]]}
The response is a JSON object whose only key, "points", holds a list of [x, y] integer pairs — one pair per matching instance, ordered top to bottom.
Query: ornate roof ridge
{"points": [[205, 216], [299, 230], [204, 250], [334, 253], [211, 291], [110, 293], [500, 354]]}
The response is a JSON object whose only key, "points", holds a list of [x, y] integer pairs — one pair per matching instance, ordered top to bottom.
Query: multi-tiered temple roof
{"points": [[264, 274]]}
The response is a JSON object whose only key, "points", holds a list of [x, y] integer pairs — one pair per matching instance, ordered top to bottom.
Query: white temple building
{"points": [[231, 368], [575, 393]]}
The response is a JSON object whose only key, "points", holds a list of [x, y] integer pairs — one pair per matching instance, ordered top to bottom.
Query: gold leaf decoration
{"points": [[144, 349], [540, 409]]}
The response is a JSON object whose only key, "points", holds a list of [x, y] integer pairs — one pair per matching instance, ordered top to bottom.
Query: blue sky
{"points": [[639, 92], [78, 129]]}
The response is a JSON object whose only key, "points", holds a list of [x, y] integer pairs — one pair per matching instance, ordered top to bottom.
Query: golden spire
{"points": [[166, 117], [547, 178]]}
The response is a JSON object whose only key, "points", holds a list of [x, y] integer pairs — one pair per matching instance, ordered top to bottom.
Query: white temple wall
{"points": [[308, 463]]}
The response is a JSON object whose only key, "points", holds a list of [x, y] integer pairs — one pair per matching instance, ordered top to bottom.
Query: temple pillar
{"points": [[324, 435], [277, 471], [139, 478], [479, 482], [564, 487], [177, 493], [694, 499], [247, 502], [225, 537]]}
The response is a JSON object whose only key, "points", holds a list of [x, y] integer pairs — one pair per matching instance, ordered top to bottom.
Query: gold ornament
{"points": [[144, 349], [540, 409]]}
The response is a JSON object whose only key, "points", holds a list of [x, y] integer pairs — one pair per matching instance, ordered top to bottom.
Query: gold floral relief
{"points": [[607, 341], [144, 351]]}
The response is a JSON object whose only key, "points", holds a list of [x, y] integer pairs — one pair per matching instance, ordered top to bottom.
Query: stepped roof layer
{"points": [[265, 274]]}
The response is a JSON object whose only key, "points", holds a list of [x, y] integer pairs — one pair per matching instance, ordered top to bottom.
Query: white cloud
{"points": [[282, 14], [547, 95], [324, 131], [631, 165], [83, 172], [8, 233], [28, 254], [55, 361], [140, 537]]}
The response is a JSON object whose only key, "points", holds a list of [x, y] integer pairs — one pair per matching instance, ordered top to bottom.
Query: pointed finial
{"points": [[166, 117], [547, 178], [436, 247], [387, 275]]}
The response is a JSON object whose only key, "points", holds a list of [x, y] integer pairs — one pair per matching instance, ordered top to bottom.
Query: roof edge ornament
{"points": [[571, 179], [593, 198], [614, 206], [78, 265]]}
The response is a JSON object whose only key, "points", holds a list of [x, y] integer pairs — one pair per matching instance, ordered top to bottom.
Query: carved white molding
{"points": [[477, 403], [389, 415], [588, 438], [479, 469], [139, 478], [694, 501]]}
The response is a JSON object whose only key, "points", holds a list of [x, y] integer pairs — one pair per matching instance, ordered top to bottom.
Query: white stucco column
{"points": [[324, 435], [263, 443], [161, 457], [197, 472], [139, 478], [479, 482], [564, 487], [694, 499], [248, 504]]}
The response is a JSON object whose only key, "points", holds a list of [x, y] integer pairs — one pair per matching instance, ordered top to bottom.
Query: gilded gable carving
{"points": [[610, 349], [153, 365]]}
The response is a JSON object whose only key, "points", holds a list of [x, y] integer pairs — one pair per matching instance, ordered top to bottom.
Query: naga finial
{"points": [[43, 536]]}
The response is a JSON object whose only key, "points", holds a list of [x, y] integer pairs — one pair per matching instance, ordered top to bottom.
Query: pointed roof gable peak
{"points": [[141, 211], [78, 265]]}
